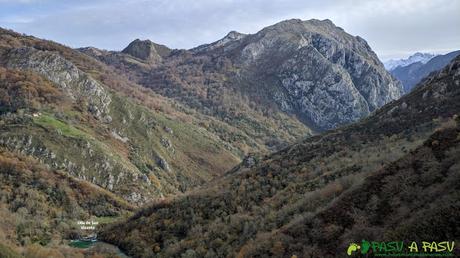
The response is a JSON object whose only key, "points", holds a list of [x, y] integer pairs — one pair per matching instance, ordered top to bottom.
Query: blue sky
{"points": [[393, 28]]}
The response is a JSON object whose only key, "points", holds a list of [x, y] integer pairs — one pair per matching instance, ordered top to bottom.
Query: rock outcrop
{"points": [[232, 36], [146, 50], [311, 69], [322, 73], [78, 85]]}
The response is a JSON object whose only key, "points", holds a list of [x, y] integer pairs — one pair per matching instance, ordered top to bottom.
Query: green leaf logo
{"points": [[365, 246], [352, 248]]}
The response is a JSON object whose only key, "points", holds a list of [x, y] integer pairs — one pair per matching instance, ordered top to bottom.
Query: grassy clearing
{"points": [[63, 128], [108, 219]]}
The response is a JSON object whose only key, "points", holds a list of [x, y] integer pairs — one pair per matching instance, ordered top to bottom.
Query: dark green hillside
{"points": [[413, 199]]}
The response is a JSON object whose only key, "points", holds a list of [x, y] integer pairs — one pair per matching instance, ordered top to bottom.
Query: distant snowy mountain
{"points": [[417, 57], [412, 74]]}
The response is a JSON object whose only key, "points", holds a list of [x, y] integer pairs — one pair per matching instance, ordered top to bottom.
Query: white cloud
{"points": [[20, 1], [391, 27]]}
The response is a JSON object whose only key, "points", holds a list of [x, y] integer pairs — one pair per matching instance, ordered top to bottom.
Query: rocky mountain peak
{"points": [[303, 26], [234, 35], [291, 35], [231, 37], [146, 50], [92, 51], [417, 57], [422, 65], [320, 66], [312, 69]]}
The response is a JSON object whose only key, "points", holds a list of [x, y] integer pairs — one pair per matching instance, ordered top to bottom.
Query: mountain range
{"points": [[417, 57], [293, 71], [413, 73], [234, 148], [393, 175]]}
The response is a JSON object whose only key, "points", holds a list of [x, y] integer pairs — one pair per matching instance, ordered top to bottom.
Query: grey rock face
{"points": [[232, 36], [146, 50], [92, 51], [312, 69], [324, 74], [75, 83], [323, 92], [168, 130], [167, 144], [249, 161], [162, 163], [99, 168], [110, 182], [135, 197]]}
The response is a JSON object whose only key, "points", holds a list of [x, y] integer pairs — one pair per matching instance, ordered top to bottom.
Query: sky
{"points": [[393, 28]]}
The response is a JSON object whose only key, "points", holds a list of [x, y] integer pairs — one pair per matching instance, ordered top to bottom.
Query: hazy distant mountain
{"points": [[417, 57], [311, 70], [412, 74]]}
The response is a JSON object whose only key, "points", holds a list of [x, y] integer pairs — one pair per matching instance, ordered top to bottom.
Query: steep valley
{"points": [[293, 71], [283, 143], [376, 179]]}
